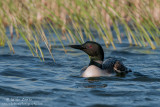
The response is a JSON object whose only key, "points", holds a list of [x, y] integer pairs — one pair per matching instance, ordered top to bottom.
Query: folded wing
{"points": [[114, 65]]}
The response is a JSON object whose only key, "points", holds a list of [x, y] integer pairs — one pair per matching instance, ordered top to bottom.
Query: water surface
{"points": [[26, 81]]}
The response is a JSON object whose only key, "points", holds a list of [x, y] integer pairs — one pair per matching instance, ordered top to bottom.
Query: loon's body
{"points": [[97, 67], [94, 71]]}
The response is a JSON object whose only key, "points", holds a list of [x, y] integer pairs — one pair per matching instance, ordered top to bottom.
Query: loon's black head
{"points": [[93, 49]]}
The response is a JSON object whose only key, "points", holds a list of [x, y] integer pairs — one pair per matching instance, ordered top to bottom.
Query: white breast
{"points": [[94, 71]]}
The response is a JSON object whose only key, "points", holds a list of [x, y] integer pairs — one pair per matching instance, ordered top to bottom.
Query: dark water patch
{"points": [[126, 53], [17, 57], [118, 58], [53, 64], [11, 72], [26, 73], [139, 74], [111, 78], [32, 79], [146, 79], [52, 82], [99, 82], [90, 85], [67, 90], [9, 91], [37, 93], [114, 93], [153, 93], [102, 105]]}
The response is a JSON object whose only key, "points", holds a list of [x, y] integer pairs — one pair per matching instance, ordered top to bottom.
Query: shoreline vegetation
{"points": [[29, 18]]}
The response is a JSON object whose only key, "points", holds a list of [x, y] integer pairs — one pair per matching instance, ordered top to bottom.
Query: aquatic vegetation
{"points": [[76, 20]]}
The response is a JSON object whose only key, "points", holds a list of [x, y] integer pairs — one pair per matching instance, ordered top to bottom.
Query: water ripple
{"points": [[59, 84]]}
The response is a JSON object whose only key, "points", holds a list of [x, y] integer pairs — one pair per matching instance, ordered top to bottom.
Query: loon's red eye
{"points": [[90, 46]]}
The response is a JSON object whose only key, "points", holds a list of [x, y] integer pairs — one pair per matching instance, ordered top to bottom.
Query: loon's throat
{"points": [[97, 63]]}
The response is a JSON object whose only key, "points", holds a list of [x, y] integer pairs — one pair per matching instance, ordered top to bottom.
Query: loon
{"points": [[97, 67]]}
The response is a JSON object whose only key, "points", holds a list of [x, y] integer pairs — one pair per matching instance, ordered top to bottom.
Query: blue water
{"points": [[26, 81]]}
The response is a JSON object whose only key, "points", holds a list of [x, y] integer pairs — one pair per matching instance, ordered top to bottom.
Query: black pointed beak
{"points": [[80, 47]]}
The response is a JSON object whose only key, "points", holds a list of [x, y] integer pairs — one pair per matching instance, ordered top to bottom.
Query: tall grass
{"points": [[27, 18]]}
